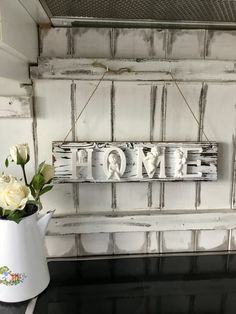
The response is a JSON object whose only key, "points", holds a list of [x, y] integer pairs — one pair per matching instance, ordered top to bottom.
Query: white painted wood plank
{"points": [[54, 42], [91, 42], [133, 43], [159, 43], [186, 44], [221, 45], [142, 70], [15, 106], [53, 111], [132, 111], [95, 121], [180, 124], [219, 124], [131, 196], [94, 197], [143, 222], [212, 240], [177, 241], [152, 242], [126, 243], [95, 244], [61, 246]]}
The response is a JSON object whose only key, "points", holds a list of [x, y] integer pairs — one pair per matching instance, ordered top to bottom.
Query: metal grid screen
{"points": [[157, 10]]}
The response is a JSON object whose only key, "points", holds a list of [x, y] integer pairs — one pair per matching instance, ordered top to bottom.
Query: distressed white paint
{"points": [[54, 42], [91, 42], [133, 43], [159, 43], [185, 44], [221, 45], [141, 70], [15, 106], [52, 110], [95, 121], [180, 124], [219, 125], [134, 161], [143, 222], [212, 240], [233, 240], [173, 241], [129, 242], [153, 242], [91, 244], [58, 246]]}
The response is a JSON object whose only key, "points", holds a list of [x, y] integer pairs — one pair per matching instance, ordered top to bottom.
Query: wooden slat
{"points": [[142, 70], [15, 106], [143, 222]]}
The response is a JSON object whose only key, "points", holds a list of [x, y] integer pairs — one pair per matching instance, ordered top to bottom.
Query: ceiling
{"points": [[212, 13]]}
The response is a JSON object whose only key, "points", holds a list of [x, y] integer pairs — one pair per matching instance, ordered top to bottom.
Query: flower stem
{"points": [[24, 174]]}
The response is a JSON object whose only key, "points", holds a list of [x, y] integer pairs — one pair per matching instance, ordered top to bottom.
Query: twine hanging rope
{"points": [[120, 71]]}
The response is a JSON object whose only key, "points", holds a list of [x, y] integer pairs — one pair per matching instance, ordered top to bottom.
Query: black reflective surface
{"points": [[142, 285]]}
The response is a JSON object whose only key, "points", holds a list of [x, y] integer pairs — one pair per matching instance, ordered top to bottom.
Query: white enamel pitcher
{"points": [[23, 266]]}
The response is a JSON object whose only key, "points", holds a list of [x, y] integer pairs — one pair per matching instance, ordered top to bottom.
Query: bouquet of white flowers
{"points": [[20, 198]]}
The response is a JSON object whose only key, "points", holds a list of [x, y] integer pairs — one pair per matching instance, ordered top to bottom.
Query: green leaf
{"points": [[6, 162], [40, 167], [37, 182], [46, 189], [32, 191]]}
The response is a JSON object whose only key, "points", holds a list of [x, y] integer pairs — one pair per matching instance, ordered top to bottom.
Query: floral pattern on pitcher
{"points": [[8, 278]]}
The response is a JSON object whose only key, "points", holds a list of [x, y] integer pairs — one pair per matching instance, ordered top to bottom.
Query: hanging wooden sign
{"points": [[139, 161]]}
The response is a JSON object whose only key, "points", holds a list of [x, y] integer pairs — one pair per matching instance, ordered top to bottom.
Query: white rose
{"points": [[20, 153], [47, 172], [7, 179], [13, 195]]}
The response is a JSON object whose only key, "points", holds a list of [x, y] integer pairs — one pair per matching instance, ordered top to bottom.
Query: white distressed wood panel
{"points": [[54, 42], [91, 42], [133, 43], [159, 43], [186, 44], [221, 45], [141, 70], [15, 106], [53, 111], [132, 111], [131, 121], [95, 122], [180, 124], [219, 124], [157, 133], [131, 196], [94, 197], [143, 222], [212, 240], [233, 240], [177, 241], [152, 242], [126, 243], [95, 244], [61, 246]]}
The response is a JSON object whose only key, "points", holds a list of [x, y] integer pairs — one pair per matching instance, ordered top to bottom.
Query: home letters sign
{"points": [[134, 161]]}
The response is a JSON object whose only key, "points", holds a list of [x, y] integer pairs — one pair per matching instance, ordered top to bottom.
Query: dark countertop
{"points": [[138, 285]]}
